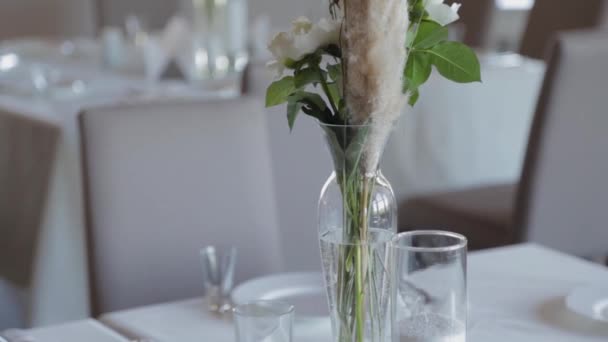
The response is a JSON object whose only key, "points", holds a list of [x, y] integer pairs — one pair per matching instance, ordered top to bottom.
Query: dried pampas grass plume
{"points": [[374, 53]]}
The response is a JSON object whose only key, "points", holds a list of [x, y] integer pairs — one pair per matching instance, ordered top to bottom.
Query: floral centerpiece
{"points": [[356, 72]]}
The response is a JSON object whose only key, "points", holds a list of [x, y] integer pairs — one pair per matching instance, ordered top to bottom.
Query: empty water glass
{"points": [[218, 277], [430, 294], [264, 321]]}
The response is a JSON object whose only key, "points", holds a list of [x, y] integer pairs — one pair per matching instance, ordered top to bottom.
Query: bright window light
{"points": [[511, 5], [8, 61]]}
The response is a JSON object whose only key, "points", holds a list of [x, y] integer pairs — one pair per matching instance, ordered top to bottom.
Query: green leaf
{"points": [[417, 10], [429, 34], [312, 60], [455, 61], [418, 69], [335, 72], [307, 76], [278, 91], [334, 93], [413, 97], [312, 104], [293, 108]]}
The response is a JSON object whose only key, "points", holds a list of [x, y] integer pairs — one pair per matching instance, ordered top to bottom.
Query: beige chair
{"points": [[551, 16], [47, 18], [27, 156], [165, 179], [564, 190], [560, 201], [483, 214]]}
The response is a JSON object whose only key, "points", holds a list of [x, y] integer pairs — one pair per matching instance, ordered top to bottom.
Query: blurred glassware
{"points": [[136, 30], [114, 47], [218, 50], [122, 54], [50, 82], [218, 277], [431, 292], [264, 321]]}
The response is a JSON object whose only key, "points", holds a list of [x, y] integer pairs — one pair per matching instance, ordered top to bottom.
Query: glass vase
{"points": [[357, 219]]}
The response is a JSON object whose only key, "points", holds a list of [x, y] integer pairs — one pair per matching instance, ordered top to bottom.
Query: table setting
{"points": [[355, 79], [380, 286], [548, 300], [506, 302]]}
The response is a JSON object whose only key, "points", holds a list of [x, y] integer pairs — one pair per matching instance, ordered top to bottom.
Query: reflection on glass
{"points": [[8, 61], [430, 286], [264, 321]]}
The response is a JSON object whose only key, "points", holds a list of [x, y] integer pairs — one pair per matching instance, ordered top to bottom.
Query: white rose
{"points": [[442, 13], [301, 25], [304, 38], [283, 47]]}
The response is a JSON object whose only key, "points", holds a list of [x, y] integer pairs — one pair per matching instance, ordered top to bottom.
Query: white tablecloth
{"points": [[461, 135], [516, 294], [79, 331]]}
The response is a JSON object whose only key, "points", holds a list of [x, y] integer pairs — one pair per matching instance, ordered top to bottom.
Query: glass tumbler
{"points": [[218, 277], [430, 286], [264, 321]]}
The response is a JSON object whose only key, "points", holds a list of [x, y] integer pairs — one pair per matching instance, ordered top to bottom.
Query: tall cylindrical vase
{"points": [[357, 219]]}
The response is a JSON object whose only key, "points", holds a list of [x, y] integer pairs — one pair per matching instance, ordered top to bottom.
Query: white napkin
{"points": [[161, 49], [16, 335]]}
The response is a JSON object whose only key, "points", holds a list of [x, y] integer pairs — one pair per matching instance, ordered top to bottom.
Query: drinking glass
{"points": [[218, 53], [218, 277], [430, 286], [264, 321]]}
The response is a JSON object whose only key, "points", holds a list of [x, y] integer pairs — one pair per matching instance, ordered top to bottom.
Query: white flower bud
{"points": [[442, 13]]}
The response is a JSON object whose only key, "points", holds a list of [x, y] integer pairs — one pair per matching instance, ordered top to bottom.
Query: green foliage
{"points": [[417, 11], [429, 33], [429, 47], [456, 62], [417, 70], [309, 75], [278, 91], [414, 95], [310, 103], [293, 108]]}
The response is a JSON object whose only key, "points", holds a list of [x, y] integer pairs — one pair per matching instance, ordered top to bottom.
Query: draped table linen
{"points": [[515, 294]]}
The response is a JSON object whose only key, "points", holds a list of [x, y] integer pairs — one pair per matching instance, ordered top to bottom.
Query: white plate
{"points": [[304, 290], [590, 301]]}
